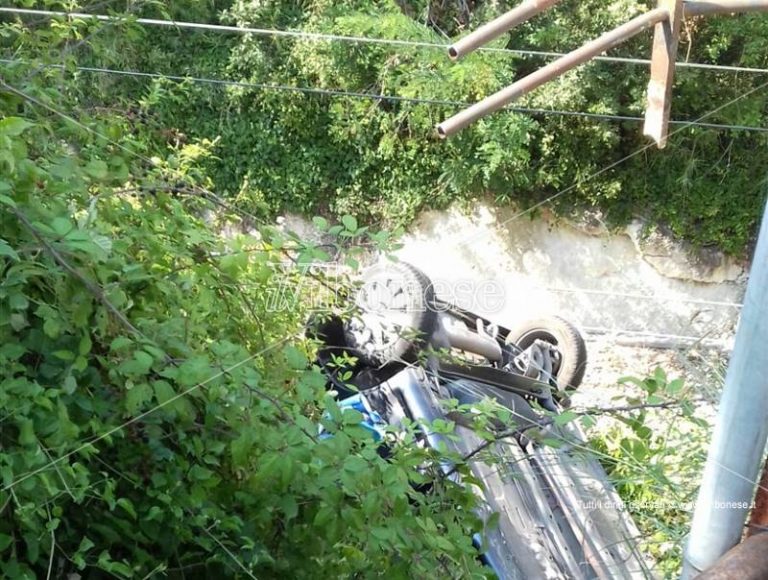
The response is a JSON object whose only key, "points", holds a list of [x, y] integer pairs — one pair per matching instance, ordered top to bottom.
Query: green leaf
{"points": [[14, 126], [97, 169], [5, 200], [320, 223], [350, 223], [62, 226], [7, 250], [352, 263], [17, 301], [51, 327], [120, 342], [85, 345], [65, 355], [295, 358], [138, 365], [194, 371], [631, 380], [70, 385], [675, 386], [163, 391], [137, 396], [352, 417], [565, 417], [588, 421], [27, 435], [551, 442], [241, 447], [355, 464], [200, 473], [127, 505], [289, 506], [324, 515], [5, 542], [33, 547]]}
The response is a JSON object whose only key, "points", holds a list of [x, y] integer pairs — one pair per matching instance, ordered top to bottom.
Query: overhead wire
{"points": [[322, 36], [71, 47], [385, 97], [417, 100], [428, 101], [628, 295], [638, 296], [90, 442]]}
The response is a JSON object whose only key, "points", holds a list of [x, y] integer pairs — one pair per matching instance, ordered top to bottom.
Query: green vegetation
{"points": [[380, 160], [159, 413], [655, 457]]}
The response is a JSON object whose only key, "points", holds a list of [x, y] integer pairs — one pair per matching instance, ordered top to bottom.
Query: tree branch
{"points": [[94, 289]]}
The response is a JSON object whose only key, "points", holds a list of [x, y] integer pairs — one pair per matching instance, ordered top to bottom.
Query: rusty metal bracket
{"points": [[667, 18], [663, 58], [553, 70]]}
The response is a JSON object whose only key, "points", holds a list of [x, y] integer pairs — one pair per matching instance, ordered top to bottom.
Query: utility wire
{"points": [[320, 36], [70, 47], [324, 91], [383, 97], [638, 296], [645, 333], [93, 441]]}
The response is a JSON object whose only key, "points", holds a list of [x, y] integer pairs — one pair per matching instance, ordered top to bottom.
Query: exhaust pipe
{"points": [[497, 27], [459, 336]]}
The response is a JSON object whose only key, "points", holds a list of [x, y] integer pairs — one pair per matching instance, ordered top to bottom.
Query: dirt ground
{"points": [[701, 369]]}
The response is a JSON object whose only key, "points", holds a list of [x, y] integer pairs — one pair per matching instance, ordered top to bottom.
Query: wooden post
{"points": [[663, 72]]}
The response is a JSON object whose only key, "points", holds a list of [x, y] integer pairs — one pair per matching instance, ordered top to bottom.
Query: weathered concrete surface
{"points": [[625, 282]]}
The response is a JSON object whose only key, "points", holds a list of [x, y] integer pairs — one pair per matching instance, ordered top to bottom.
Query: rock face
{"points": [[675, 260], [629, 283]]}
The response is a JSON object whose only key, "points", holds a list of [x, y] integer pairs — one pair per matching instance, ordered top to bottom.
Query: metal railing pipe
{"points": [[497, 27], [554, 69], [741, 431]]}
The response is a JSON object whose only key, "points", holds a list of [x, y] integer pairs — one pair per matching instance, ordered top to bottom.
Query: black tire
{"points": [[399, 299], [329, 330], [562, 334]]}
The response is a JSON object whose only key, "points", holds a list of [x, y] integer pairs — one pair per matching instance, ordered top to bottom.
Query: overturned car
{"points": [[558, 515]]}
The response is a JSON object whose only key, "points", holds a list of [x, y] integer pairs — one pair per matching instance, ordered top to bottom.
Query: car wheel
{"points": [[396, 314], [569, 370]]}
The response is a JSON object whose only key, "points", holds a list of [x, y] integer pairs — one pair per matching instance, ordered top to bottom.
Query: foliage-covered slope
{"points": [[159, 415]]}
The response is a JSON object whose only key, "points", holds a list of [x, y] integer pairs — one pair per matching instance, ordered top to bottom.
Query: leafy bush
{"points": [[160, 414], [654, 453]]}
